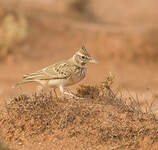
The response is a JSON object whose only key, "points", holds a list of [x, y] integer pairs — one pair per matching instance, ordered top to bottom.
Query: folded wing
{"points": [[56, 71]]}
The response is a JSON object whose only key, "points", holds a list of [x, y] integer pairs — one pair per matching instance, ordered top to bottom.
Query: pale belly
{"points": [[61, 82], [66, 82]]}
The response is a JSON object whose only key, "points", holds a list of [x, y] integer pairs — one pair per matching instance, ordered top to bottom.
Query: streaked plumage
{"points": [[61, 74]]}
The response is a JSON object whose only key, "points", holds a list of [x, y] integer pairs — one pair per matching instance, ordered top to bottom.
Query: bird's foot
{"points": [[71, 95]]}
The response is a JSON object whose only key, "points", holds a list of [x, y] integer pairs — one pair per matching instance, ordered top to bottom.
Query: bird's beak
{"points": [[92, 60]]}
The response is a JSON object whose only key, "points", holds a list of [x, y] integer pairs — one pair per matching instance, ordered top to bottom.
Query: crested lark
{"points": [[61, 74]]}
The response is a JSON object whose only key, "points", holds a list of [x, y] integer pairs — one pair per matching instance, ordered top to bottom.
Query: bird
{"points": [[61, 74]]}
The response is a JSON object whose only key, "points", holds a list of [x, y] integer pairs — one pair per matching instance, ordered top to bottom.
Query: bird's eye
{"points": [[83, 57]]}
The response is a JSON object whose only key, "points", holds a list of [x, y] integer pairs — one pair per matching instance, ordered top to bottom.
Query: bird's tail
{"points": [[21, 82]]}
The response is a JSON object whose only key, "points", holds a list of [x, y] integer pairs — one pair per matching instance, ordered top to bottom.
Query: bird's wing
{"points": [[56, 71]]}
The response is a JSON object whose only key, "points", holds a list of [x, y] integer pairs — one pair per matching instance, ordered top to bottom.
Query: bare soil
{"points": [[122, 39]]}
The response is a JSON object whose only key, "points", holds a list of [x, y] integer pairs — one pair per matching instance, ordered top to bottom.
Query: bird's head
{"points": [[82, 57]]}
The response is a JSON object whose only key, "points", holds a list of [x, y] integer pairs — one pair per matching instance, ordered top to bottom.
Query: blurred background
{"points": [[122, 35]]}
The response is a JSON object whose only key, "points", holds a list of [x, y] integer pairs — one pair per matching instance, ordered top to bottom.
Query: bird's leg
{"points": [[39, 88], [21, 91], [55, 93], [67, 93]]}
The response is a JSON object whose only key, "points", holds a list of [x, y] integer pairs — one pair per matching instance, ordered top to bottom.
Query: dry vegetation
{"points": [[99, 118], [3, 147]]}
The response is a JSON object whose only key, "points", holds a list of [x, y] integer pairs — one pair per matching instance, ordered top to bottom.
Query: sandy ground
{"points": [[113, 40]]}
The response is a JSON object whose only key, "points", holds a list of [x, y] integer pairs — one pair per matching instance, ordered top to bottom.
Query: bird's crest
{"points": [[83, 51]]}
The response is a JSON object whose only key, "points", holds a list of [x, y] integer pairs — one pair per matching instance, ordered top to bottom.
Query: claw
{"points": [[68, 93]]}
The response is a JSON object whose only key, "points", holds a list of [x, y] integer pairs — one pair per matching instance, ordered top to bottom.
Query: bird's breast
{"points": [[77, 75]]}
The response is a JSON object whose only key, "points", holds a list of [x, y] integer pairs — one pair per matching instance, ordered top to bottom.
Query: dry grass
{"points": [[87, 91], [101, 118], [3, 147]]}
